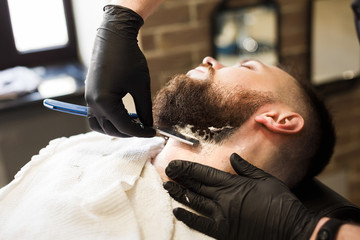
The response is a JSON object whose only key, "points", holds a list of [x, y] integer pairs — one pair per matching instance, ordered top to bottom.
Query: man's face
{"points": [[247, 74], [212, 99]]}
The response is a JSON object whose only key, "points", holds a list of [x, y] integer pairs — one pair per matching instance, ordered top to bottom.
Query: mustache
{"points": [[209, 68]]}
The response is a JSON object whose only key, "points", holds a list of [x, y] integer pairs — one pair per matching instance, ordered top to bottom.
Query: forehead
{"points": [[253, 74], [282, 76], [285, 85]]}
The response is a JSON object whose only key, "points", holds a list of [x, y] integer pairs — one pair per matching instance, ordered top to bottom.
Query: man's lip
{"points": [[201, 69], [200, 73]]}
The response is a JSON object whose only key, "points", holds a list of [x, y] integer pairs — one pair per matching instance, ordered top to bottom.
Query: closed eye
{"points": [[250, 64]]}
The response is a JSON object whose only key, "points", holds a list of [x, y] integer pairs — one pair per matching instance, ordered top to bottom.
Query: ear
{"points": [[282, 123]]}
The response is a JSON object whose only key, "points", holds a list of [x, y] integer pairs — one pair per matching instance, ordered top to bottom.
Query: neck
{"points": [[252, 141], [210, 154]]}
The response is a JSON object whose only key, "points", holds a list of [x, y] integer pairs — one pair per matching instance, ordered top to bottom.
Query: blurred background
{"points": [[46, 47]]}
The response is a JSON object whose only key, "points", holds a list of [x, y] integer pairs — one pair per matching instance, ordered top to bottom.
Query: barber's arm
{"points": [[119, 67], [250, 205]]}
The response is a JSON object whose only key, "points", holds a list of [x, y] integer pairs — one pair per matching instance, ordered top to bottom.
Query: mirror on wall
{"points": [[246, 32], [335, 51]]}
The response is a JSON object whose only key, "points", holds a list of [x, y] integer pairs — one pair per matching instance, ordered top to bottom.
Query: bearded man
{"points": [[94, 186]]}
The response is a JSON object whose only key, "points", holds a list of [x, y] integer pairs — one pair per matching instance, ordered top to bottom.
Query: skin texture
{"points": [[269, 126]]}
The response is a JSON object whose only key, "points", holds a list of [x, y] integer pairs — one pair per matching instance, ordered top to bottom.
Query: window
{"points": [[30, 30], [36, 32], [335, 47]]}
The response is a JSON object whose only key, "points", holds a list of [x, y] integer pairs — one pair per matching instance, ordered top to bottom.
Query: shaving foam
{"points": [[207, 138]]}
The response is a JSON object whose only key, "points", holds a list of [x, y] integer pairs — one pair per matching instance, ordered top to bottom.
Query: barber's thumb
{"points": [[143, 107], [244, 168]]}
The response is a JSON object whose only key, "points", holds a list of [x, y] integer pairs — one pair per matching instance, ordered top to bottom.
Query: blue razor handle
{"points": [[72, 108]]}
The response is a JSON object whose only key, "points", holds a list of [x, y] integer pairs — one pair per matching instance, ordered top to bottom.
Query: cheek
{"points": [[234, 79], [243, 79]]}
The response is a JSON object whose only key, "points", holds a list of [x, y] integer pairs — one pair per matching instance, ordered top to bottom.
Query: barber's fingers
{"points": [[143, 107], [114, 119], [94, 124], [125, 125], [104, 126], [111, 130], [244, 168], [195, 175], [197, 202], [201, 224]]}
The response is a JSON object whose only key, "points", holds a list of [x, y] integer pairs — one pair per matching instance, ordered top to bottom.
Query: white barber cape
{"points": [[91, 186]]}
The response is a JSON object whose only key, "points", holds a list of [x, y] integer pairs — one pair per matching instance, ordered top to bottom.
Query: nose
{"points": [[211, 61]]}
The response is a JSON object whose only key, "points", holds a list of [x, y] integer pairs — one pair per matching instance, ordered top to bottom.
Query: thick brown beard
{"points": [[205, 105]]}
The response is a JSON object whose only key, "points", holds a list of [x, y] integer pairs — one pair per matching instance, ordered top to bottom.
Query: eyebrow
{"points": [[245, 61]]}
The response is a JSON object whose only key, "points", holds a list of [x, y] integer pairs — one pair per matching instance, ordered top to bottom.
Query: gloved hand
{"points": [[118, 67], [253, 205]]}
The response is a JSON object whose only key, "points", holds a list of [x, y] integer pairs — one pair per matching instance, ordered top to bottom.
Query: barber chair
{"points": [[325, 202]]}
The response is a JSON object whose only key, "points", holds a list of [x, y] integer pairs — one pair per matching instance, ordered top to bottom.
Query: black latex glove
{"points": [[356, 8], [118, 67], [253, 205]]}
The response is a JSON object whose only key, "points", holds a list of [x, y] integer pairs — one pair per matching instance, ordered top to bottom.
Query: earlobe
{"points": [[282, 123]]}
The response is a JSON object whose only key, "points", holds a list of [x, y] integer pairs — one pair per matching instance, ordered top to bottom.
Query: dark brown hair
{"points": [[323, 127]]}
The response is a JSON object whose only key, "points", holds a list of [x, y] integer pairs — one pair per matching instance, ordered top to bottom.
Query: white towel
{"points": [[91, 186]]}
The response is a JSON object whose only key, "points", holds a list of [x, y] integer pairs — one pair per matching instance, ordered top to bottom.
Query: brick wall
{"points": [[178, 36], [346, 112]]}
